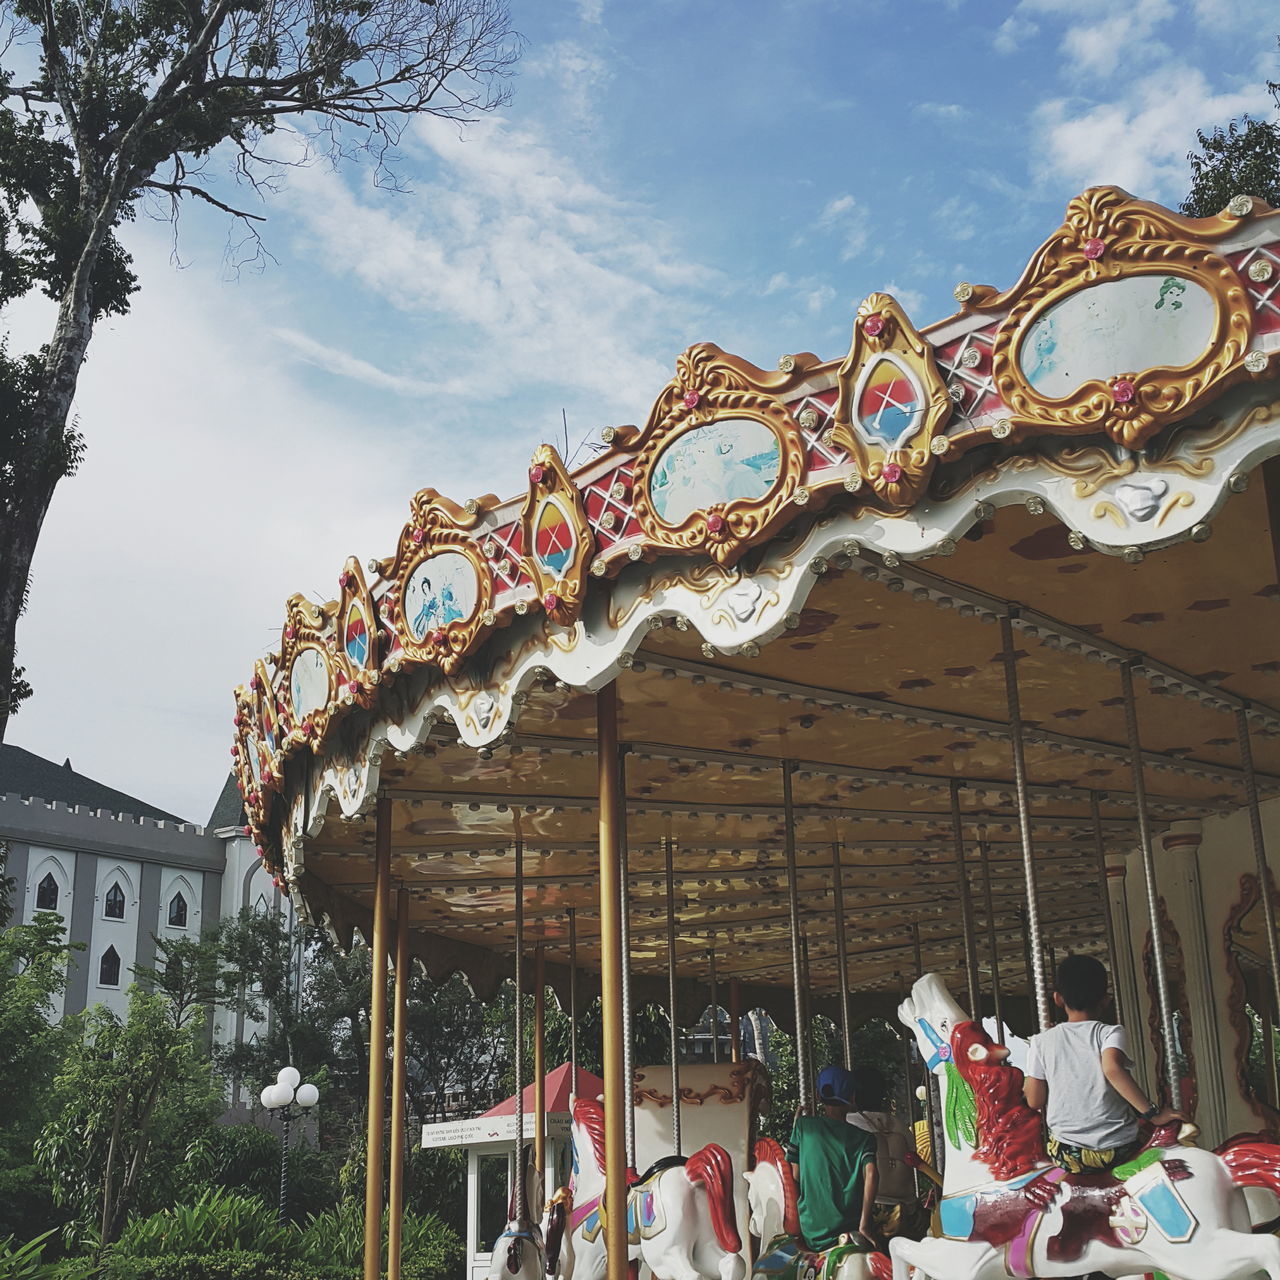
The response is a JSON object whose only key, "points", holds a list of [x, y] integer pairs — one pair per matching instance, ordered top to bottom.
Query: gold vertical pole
{"points": [[377, 1043], [540, 1061], [616, 1086], [395, 1198]]}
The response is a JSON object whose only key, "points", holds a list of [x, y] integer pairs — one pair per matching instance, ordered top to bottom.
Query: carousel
{"points": [[853, 686]]}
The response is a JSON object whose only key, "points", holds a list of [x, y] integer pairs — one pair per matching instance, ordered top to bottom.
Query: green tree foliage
{"points": [[108, 104], [1241, 159]]}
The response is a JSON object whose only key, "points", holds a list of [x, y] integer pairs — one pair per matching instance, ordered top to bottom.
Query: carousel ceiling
{"points": [[813, 572]]}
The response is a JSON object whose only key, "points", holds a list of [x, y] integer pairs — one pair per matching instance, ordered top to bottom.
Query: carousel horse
{"points": [[1006, 1210], [680, 1214], [775, 1221], [519, 1251]]}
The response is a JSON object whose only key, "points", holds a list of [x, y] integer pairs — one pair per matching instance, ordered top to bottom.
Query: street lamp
{"points": [[291, 1098]]}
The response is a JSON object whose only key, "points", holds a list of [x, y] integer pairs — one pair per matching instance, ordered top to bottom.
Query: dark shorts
{"points": [[1077, 1159]]}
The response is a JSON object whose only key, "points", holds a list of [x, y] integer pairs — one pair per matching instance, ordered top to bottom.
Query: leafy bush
{"points": [[218, 1221], [431, 1250], [25, 1262], [224, 1264]]}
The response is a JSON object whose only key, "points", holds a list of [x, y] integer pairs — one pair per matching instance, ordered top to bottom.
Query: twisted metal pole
{"points": [[1014, 701], [1100, 849], [1259, 851], [793, 901], [966, 907], [842, 954], [671, 996], [997, 996], [1167, 1030]]}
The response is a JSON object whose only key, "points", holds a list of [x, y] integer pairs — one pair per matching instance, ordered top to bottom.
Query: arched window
{"points": [[47, 894], [113, 907], [178, 911], [109, 968]]}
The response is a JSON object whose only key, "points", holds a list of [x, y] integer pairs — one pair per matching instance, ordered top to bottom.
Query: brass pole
{"points": [[1014, 701], [1136, 771], [1100, 848], [1259, 851], [793, 899], [966, 907], [842, 954], [997, 996], [671, 997], [573, 1002], [735, 1018], [377, 1043], [628, 1045], [540, 1061], [616, 1086], [936, 1142], [519, 1198], [395, 1206]]}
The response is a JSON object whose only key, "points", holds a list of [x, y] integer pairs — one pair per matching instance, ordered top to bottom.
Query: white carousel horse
{"points": [[774, 1201], [1007, 1211], [680, 1216], [518, 1253]]}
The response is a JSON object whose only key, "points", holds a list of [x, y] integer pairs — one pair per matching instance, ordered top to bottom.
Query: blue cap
{"points": [[835, 1084]]}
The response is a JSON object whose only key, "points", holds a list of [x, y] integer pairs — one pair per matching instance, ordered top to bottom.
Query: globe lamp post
{"points": [[291, 1098]]}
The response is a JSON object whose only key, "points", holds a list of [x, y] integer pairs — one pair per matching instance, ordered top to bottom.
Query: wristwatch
{"points": [[1149, 1112]]}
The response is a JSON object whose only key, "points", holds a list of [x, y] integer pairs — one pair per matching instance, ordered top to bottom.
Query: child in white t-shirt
{"points": [[1078, 1074]]}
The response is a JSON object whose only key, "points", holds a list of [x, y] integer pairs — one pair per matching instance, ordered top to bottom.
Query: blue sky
{"points": [[666, 172]]}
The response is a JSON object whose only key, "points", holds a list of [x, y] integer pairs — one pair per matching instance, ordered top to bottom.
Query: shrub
{"points": [[219, 1221], [431, 1250], [24, 1262], [223, 1264]]}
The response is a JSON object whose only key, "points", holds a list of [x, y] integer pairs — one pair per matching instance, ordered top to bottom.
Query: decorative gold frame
{"points": [[1108, 236], [710, 386], [895, 477], [437, 525], [561, 595], [307, 626], [356, 681]]}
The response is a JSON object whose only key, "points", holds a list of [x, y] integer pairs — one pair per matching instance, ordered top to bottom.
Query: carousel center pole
{"points": [[1024, 821], [1100, 850], [1259, 851], [793, 901], [966, 907], [842, 954], [997, 996], [671, 997], [573, 1002], [1167, 1030], [377, 1043], [628, 1049], [539, 1061], [616, 1086], [517, 1197], [395, 1206]]}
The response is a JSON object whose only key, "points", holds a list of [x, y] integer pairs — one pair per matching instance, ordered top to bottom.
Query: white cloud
{"points": [[591, 10], [1013, 33], [1100, 45], [941, 110], [1139, 141], [843, 217], [912, 300], [344, 365]]}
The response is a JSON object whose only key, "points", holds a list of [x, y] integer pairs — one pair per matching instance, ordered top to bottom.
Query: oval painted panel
{"points": [[1120, 326], [890, 403], [734, 459], [554, 540], [442, 589], [355, 635], [308, 683], [269, 722], [255, 760]]}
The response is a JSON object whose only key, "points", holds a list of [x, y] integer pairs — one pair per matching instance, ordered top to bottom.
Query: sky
{"points": [[666, 172]]}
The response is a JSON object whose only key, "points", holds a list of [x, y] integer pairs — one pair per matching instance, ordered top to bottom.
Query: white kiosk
{"points": [[490, 1143]]}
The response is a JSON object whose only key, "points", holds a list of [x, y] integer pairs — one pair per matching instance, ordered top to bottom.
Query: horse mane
{"points": [[588, 1114], [1010, 1134], [769, 1151], [714, 1169]]}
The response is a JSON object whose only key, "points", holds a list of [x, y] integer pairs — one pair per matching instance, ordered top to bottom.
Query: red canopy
{"points": [[559, 1088]]}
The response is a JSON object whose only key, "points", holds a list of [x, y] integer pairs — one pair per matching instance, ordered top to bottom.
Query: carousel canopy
{"points": [[803, 579]]}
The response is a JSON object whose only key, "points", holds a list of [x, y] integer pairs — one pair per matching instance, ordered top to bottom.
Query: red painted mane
{"points": [[588, 1114], [1010, 1134], [768, 1151], [714, 1169]]}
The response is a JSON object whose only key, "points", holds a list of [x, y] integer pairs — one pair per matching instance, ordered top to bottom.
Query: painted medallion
{"points": [[1119, 326], [890, 404], [733, 459], [553, 538], [441, 590], [355, 635], [308, 683], [269, 736], [253, 751]]}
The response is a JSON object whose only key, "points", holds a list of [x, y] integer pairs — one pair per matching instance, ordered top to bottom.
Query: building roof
{"points": [[24, 773], [228, 809], [558, 1092]]}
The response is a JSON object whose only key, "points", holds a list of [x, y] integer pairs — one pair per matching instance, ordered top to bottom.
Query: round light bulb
{"points": [[289, 1077], [282, 1093], [922, 1093], [308, 1095], [268, 1097]]}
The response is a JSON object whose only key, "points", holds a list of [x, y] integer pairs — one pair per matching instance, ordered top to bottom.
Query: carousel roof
{"points": [[797, 570]]}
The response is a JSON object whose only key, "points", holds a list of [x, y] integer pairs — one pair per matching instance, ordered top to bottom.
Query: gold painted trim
{"points": [[561, 595], [306, 627], [356, 681]]}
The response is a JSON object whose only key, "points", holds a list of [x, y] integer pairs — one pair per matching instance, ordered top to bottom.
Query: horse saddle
{"points": [[661, 1163]]}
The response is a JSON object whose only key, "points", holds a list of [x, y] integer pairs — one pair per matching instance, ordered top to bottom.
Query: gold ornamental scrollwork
{"points": [[1108, 237], [890, 376], [698, 486], [558, 544], [440, 604], [354, 641], [309, 670]]}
